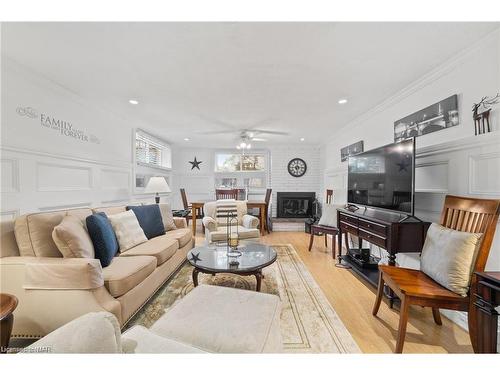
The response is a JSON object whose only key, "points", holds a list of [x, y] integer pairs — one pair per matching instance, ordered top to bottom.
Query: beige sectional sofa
{"points": [[53, 290]]}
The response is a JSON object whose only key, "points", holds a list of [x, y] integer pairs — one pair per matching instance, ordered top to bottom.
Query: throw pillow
{"points": [[329, 215], [167, 216], [150, 220], [127, 230], [103, 237], [72, 239], [448, 257]]}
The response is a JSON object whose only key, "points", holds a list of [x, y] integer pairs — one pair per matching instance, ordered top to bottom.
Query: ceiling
{"points": [[190, 78]]}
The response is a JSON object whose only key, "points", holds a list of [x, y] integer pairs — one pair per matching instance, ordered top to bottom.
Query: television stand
{"points": [[407, 217], [380, 228]]}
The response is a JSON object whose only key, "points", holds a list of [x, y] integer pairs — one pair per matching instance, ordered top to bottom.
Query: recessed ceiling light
{"points": [[133, 101], [342, 101], [186, 139], [302, 139]]}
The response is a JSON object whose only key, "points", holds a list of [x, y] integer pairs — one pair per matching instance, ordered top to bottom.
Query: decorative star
{"points": [[195, 164], [403, 166], [195, 257]]}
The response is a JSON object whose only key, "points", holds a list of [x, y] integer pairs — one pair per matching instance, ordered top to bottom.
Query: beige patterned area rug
{"points": [[308, 322]]}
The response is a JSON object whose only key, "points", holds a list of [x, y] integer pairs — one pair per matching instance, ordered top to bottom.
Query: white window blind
{"points": [[151, 150]]}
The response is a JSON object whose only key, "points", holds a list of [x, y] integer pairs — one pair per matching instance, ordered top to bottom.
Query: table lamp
{"points": [[157, 185]]}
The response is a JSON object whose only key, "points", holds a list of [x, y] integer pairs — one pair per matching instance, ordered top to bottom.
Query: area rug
{"points": [[308, 322]]}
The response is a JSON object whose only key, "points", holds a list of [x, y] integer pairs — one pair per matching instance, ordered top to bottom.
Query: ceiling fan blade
{"points": [[262, 131], [258, 140]]}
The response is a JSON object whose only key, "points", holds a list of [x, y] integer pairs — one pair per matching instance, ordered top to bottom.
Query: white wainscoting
{"points": [[10, 175], [37, 181]]}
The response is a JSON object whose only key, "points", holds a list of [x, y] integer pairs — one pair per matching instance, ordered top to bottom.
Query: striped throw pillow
{"points": [[225, 208]]}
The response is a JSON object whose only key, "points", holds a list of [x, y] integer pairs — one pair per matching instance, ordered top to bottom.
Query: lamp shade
{"points": [[157, 185]]}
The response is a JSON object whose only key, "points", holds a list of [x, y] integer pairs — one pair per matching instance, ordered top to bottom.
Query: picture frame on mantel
{"points": [[351, 150]]}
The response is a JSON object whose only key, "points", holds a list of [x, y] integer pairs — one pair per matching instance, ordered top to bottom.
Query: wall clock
{"points": [[297, 167]]}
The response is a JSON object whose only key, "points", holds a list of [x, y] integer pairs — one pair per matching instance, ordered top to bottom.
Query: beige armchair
{"points": [[217, 231]]}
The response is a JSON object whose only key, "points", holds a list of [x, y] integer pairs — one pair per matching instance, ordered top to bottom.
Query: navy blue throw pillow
{"points": [[149, 217], [103, 237]]}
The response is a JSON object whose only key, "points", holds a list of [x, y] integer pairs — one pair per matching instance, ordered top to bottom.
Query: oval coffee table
{"points": [[254, 257]]}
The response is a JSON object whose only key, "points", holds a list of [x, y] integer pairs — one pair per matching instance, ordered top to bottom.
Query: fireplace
{"points": [[295, 205]]}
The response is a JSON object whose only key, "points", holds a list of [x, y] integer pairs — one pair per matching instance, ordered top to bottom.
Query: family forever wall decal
{"points": [[64, 128]]}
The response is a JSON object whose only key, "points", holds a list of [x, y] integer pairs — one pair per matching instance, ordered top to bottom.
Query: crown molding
{"points": [[428, 78]]}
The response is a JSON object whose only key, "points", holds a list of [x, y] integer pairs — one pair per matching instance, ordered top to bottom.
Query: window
{"points": [[152, 151], [238, 162], [235, 170]]}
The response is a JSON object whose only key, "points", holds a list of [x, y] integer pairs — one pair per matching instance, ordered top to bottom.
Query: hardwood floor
{"points": [[353, 300]]}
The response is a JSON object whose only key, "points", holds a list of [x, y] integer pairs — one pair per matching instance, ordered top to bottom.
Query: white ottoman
{"points": [[224, 320]]}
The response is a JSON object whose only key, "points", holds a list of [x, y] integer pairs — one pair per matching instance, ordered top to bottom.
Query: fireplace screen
{"points": [[295, 205]]}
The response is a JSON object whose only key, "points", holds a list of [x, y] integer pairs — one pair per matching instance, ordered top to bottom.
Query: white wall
{"points": [[450, 161], [43, 169], [282, 181], [200, 184]]}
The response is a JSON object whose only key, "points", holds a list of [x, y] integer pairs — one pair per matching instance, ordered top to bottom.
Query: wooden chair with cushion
{"points": [[226, 194], [187, 208], [318, 229], [414, 287]]}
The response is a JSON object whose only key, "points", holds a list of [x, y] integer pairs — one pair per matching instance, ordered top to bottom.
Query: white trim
{"points": [[427, 79], [116, 163], [38, 164], [472, 169]]}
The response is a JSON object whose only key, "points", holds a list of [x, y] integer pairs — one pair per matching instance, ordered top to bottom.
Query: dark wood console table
{"points": [[381, 228], [487, 298]]}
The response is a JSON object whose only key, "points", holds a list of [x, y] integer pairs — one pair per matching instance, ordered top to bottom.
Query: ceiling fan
{"points": [[244, 135]]}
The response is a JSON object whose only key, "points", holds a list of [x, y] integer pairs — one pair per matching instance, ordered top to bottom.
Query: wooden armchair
{"points": [[414, 287]]}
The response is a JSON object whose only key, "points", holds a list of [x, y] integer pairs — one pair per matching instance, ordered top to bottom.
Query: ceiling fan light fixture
{"points": [[342, 101]]}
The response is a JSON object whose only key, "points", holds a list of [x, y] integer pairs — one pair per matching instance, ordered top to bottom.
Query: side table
{"points": [[8, 304]]}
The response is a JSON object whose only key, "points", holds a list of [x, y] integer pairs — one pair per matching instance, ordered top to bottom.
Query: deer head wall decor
{"points": [[482, 119]]}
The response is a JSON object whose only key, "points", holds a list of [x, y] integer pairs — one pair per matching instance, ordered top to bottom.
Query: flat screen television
{"points": [[384, 177]]}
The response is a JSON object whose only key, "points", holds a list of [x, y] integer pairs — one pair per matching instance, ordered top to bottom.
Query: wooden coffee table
{"points": [[254, 257], [8, 304]]}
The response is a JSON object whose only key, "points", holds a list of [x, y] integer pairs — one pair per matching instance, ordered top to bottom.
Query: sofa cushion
{"points": [[111, 210], [167, 217], [150, 220], [127, 230], [34, 231], [243, 233], [183, 236], [103, 237], [72, 238], [162, 248], [448, 256], [124, 273], [224, 320], [139, 339]]}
